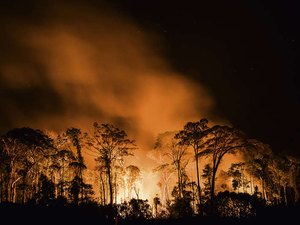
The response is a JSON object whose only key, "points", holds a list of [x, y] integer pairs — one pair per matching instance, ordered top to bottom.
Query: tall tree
{"points": [[74, 134], [191, 136], [76, 139], [217, 142], [111, 146], [176, 155], [258, 156], [166, 172], [133, 175], [207, 178]]}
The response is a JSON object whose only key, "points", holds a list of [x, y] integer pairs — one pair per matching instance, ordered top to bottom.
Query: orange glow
{"points": [[102, 67]]}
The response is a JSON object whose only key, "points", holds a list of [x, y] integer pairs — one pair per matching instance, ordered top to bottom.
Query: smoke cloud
{"points": [[70, 65]]}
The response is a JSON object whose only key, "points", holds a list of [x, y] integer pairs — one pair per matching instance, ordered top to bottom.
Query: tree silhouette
{"points": [[74, 135], [191, 136], [217, 142], [111, 146], [176, 155], [64, 157], [236, 171], [166, 173], [133, 175], [207, 181], [46, 191], [156, 203]]}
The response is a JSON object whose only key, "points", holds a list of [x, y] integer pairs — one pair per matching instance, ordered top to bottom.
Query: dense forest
{"points": [[42, 171]]}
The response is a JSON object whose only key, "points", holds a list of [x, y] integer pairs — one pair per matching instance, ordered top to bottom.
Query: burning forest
{"points": [[104, 117], [194, 173]]}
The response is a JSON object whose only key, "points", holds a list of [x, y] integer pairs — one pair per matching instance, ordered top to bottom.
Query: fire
{"points": [[82, 66]]}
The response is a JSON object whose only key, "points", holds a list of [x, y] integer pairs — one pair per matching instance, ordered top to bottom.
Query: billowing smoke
{"points": [[70, 65]]}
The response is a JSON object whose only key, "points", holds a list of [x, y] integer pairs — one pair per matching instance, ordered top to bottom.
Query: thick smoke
{"points": [[70, 65]]}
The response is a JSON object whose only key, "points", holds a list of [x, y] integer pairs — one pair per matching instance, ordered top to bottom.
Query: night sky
{"points": [[243, 52]]}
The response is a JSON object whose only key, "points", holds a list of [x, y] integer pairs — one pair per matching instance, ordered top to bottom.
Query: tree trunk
{"points": [[179, 181], [251, 184], [198, 186], [110, 187], [263, 189], [103, 190], [212, 190], [23, 191], [116, 191], [193, 193], [285, 195]]}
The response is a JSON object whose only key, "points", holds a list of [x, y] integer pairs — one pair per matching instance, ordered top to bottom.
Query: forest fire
{"points": [[93, 75], [95, 116]]}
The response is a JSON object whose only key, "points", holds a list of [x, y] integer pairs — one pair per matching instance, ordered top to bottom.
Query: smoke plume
{"points": [[69, 65]]}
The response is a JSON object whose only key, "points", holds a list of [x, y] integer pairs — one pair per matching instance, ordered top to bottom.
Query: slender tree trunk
{"points": [[243, 178], [62, 179], [179, 181], [213, 181], [81, 183], [251, 184], [198, 186], [110, 187], [263, 189], [8, 190], [124, 190], [212, 190], [23, 191], [116, 191], [136, 192], [166, 192], [193, 192], [102, 194], [285, 196]]}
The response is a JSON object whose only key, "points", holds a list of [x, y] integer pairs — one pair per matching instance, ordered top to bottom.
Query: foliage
{"points": [[39, 170], [236, 171], [207, 180], [46, 194], [241, 205], [180, 208], [135, 209]]}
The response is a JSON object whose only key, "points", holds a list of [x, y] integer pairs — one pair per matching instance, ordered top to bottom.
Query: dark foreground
{"points": [[18, 214]]}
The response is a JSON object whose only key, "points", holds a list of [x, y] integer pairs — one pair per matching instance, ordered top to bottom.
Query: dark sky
{"points": [[244, 52]]}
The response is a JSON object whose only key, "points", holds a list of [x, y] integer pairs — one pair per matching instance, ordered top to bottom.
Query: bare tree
{"points": [[176, 155]]}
